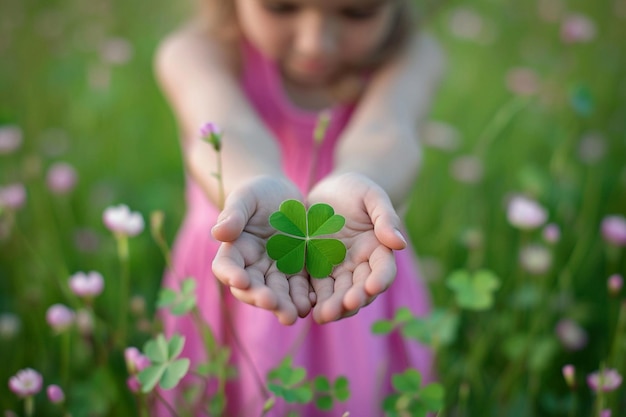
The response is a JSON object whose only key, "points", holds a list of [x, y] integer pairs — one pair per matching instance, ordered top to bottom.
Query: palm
{"points": [[242, 263], [369, 267]]}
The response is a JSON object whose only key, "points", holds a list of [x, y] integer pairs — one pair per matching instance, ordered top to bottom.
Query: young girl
{"points": [[263, 70]]}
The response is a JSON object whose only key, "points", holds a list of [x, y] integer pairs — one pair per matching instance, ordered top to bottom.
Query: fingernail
{"points": [[401, 236]]}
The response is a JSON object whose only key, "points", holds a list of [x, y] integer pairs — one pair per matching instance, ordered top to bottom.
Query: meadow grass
{"points": [[558, 137]]}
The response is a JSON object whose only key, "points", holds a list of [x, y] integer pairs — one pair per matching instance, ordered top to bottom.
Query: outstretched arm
{"points": [[198, 76], [376, 163]]}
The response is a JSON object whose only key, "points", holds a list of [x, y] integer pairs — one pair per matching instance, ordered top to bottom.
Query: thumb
{"points": [[238, 208], [386, 223]]}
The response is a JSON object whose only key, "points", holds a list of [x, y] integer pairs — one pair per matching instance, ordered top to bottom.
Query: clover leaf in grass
{"points": [[300, 244], [474, 291], [180, 303], [165, 369]]}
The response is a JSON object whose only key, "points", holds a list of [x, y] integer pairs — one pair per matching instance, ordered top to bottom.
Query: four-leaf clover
{"points": [[300, 244]]}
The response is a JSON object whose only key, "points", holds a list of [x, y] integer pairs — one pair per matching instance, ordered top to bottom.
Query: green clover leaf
{"points": [[300, 243], [474, 291], [182, 302], [165, 369], [411, 398]]}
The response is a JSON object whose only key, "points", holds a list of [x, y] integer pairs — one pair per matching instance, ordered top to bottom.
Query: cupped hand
{"points": [[370, 234], [242, 262]]}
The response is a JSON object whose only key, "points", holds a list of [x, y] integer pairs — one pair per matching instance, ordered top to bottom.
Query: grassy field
{"points": [[528, 106]]}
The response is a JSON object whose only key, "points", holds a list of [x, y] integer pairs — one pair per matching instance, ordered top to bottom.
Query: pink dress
{"points": [[346, 347]]}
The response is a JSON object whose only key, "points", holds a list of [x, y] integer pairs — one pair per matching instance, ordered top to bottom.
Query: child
{"points": [[263, 70]]}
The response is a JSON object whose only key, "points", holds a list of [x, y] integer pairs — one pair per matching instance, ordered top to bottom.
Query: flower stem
{"points": [[220, 181], [123, 255], [66, 347], [29, 406]]}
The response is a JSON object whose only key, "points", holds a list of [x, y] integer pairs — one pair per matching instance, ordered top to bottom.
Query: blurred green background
{"points": [[524, 107]]}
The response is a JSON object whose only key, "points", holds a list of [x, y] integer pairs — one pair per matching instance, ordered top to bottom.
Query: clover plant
{"points": [[300, 244], [473, 290], [165, 369]]}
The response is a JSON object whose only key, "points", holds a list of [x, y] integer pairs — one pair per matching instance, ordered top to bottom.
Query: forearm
{"points": [[199, 82], [381, 141]]}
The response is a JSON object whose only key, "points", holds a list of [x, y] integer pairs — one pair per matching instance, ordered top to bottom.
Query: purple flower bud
{"points": [[577, 28], [210, 128], [212, 134], [10, 139], [61, 178], [12, 196], [525, 213], [120, 220], [614, 230], [552, 233], [87, 284], [615, 284], [59, 317], [572, 336], [135, 360], [569, 374], [605, 380], [26, 382], [133, 384], [55, 394], [605, 413]]}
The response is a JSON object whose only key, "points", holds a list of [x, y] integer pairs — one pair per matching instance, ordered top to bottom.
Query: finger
{"points": [[238, 209], [385, 219], [383, 265], [228, 267], [323, 287], [299, 290], [257, 294], [356, 296], [330, 308], [285, 309]]}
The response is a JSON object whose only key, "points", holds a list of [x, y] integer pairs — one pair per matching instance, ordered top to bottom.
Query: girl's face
{"points": [[314, 41]]}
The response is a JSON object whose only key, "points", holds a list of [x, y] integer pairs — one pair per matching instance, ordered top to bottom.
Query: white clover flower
{"points": [[577, 28], [10, 138], [61, 178], [12, 196], [525, 213], [120, 220], [613, 229], [535, 259], [88, 284], [60, 317], [9, 325], [571, 335], [604, 380], [26, 382]]}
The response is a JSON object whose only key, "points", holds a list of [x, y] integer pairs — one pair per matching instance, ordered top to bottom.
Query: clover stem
{"points": [[123, 255]]}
